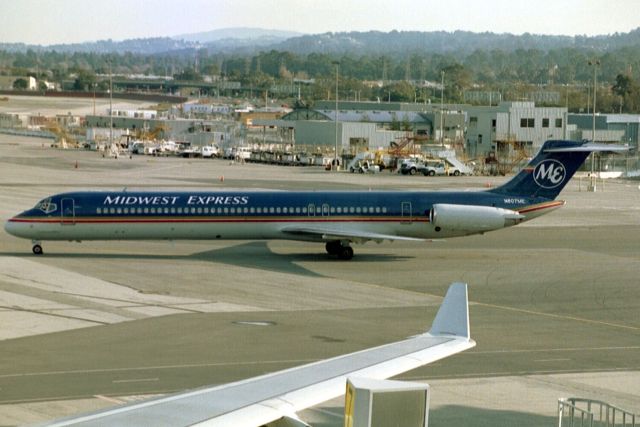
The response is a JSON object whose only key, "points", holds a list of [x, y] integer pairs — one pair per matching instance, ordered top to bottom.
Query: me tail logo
{"points": [[549, 173]]}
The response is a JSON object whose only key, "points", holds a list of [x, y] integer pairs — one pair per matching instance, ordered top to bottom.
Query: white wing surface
{"points": [[261, 400]]}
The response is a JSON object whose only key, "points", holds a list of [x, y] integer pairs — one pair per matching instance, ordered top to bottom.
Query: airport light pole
{"points": [[595, 63], [110, 108], [442, 108], [335, 159]]}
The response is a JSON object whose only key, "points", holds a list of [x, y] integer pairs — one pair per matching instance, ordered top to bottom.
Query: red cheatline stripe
{"points": [[542, 206], [212, 220]]}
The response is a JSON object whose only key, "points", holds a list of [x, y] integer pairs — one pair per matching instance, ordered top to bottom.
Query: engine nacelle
{"points": [[468, 219]]}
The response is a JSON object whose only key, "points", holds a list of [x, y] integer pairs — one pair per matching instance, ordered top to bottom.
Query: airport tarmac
{"points": [[50, 106], [554, 302]]}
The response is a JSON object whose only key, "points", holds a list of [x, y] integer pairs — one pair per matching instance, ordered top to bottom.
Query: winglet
{"points": [[453, 316]]}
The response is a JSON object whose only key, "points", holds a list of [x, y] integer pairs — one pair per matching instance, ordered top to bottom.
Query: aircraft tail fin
{"points": [[552, 168], [453, 316]]}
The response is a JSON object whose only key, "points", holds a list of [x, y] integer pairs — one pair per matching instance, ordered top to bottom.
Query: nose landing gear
{"points": [[37, 248]]}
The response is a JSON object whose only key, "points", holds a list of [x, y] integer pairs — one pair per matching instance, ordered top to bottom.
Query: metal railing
{"points": [[592, 413]]}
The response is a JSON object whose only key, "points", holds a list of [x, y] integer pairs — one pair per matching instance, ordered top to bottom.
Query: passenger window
{"points": [[352, 209], [358, 209], [377, 209], [384, 209], [119, 210], [139, 210], [146, 210], [153, 210], [166, 210], [199, 210], [226, 210], [233, 210], [252, 210], [271, 210], [278, 210], [297, 210], [304, 210], [98, 211]]}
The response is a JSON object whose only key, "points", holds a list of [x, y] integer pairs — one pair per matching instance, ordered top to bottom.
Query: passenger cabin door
{"points": [[405, 208], [68, 212]]}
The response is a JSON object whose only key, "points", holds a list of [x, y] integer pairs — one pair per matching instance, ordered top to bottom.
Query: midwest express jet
{"points": [[336, 218]]}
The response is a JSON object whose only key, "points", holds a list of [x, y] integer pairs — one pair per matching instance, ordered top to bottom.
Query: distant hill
{"points": [[258, 35], [462, 42], [395, 43], [147, 46]]}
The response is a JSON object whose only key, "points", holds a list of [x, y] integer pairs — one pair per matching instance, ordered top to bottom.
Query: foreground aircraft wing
{"points": [[326, 233], [261, 400]]}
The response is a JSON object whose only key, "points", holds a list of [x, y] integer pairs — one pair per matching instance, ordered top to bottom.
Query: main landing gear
{"points": [[37, 248], [344, 252]]}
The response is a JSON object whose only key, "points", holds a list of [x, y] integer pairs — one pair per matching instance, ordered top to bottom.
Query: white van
{"points": [[209, 151]]}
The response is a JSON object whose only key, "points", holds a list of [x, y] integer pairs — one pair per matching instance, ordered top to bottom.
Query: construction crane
{"points": [[63, 139]]}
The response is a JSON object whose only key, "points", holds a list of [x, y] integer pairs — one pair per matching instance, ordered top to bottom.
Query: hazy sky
{"points": [[68, 21]]}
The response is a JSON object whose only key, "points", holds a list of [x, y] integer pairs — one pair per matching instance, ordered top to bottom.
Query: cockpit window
{"points": [[46, 206]]}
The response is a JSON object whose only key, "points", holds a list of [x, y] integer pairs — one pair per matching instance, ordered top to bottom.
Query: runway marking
{"points": [[53, 314], [560, 316], [542, 350], [292, 361], [148, 368], [518, 373], [140, 380], [108, 399]]}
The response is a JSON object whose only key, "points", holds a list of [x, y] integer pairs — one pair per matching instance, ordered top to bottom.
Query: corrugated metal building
{"points": [[609, 127], [489, 129]]}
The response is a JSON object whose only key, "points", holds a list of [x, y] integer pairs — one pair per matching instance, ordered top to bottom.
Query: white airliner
{"points": [[334, 218], [280, 395]]}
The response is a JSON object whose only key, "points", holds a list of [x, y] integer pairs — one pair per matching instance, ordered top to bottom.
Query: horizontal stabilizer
{"points": [[588, 148], [453, 316]]}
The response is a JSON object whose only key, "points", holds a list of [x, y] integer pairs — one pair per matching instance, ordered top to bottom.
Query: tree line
{"points": [[512, 73]]}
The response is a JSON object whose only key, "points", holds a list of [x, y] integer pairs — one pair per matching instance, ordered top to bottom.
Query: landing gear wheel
{"points": [[333, 248], [37, 250], [346, 253]]}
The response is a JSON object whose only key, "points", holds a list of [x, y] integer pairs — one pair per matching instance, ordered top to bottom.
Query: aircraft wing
{"points": [[326, 233], [264, 399]]}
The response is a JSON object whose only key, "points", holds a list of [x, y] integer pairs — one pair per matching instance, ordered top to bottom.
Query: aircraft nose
{"points": [[9, 227], [13, 227]]}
